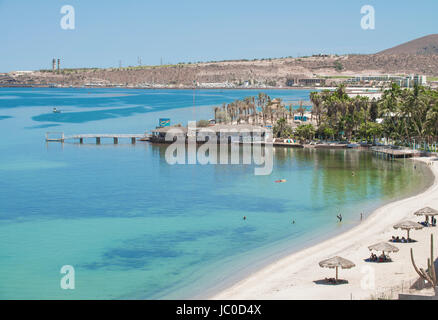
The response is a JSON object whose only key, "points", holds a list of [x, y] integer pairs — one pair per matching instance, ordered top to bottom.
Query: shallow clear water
{"points": [[135, 227]]}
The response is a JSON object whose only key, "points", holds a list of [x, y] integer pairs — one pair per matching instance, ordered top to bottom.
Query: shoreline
{"points": [[371, 89], [293, 276]]}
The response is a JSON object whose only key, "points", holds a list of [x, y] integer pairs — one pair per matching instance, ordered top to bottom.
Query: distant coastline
{"points": [[164, 88], [188, 88]]}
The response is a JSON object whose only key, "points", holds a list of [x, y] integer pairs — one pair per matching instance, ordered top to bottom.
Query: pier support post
{"points": [[81, 140], [97, 140], [116, 140], [133, 140]]}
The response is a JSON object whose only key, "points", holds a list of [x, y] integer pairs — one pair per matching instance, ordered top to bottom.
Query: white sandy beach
{"points": [[293, 277]]}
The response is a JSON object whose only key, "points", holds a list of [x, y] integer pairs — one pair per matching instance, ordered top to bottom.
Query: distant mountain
{"points": [[425, 46]]}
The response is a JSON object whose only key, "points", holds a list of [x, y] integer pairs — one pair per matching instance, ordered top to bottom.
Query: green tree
{"points": [[202, 123], [282, 130], [305, 132]]}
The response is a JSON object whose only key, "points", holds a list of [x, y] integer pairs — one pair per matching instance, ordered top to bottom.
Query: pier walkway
{"points": [[60, 137], [390, 153]]}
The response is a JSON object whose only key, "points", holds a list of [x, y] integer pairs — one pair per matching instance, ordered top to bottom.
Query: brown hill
{"points": [[425, 45], [415, 57], [275, 72]]}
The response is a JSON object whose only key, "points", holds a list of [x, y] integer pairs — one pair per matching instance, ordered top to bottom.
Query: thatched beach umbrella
{"points": [[427, 212], [408, 225], [383, 246], [337, 262]]}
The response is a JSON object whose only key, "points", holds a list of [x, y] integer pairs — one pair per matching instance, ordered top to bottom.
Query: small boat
{"points": [[56, 110], [353, 145], [280, 181]]}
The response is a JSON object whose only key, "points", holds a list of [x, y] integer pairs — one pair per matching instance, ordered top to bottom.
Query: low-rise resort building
{"points": [[221, 133]]}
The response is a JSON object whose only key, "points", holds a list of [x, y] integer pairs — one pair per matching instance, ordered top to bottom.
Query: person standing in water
{"points": [[339, 216]]}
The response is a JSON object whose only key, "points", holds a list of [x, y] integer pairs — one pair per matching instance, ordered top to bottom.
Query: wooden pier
{"points": [[98, 137], [288, 145], [390, 154]]}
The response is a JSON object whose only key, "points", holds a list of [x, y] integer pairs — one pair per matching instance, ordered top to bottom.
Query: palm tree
{"points": [[316, 99], [262, 101], [216, 110], [301, 110], [432, 121], [281, 129]]}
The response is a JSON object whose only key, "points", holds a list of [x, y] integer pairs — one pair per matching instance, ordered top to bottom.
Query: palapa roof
{"points": [[275, 105], [232, 128], [167, 129], [428, 211], [407, 225], [383, 246], [337, 262]]}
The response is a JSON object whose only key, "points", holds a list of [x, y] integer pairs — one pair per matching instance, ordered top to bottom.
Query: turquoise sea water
{"points": [[135, 227]]}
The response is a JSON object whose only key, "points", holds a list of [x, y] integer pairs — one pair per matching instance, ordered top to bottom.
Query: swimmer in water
{"points": [[244, 217]]}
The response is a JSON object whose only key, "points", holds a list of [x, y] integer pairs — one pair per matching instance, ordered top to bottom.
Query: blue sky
{"points": [[200, 30]]}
